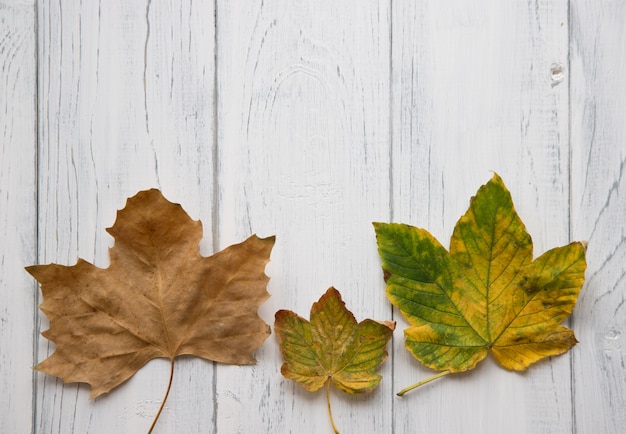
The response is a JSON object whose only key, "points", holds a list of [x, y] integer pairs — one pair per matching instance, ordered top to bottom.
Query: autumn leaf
{"points": [[486, 293], [158, 298], [332, 346]]}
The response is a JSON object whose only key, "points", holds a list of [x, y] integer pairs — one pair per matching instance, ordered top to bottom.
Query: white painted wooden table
{"points": [[309, 120]]}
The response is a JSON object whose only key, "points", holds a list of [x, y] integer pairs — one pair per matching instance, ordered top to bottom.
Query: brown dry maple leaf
{"points": [[158, 298]]}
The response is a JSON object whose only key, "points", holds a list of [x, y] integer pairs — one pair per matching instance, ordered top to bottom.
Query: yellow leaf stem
{"points": [[421, 383], [330, 412]]}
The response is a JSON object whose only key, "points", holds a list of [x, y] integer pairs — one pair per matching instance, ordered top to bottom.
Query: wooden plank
{"points": [[598, 65], [479, 86], [127, 103], [303, 140], [18, 242]]}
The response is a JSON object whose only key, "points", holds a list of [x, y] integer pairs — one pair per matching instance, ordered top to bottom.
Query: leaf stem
{"points": [[421, 383], [167, 392], [330, 413]]}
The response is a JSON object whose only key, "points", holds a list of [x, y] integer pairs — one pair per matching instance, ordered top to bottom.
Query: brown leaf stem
{"points": [[421, 383], [167, 392], [330, 413]]}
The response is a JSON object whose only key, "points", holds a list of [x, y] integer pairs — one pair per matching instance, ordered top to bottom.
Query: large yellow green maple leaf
{"points": [[485, 293]]}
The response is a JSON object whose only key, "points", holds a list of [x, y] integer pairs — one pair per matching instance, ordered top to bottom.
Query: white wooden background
{"points": [[310, 119]]}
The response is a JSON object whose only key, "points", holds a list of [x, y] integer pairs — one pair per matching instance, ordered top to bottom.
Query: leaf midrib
{"points": [[408, 254], [532, 298]]}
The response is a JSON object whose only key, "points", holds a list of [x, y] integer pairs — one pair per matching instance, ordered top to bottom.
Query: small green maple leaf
{"points": [[332, 347]]}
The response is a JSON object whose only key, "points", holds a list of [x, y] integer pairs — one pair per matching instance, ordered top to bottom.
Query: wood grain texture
{"points": [[598, 64], [473, 92], [126, 100], [308, 120], [303, 136], [18, 212]]}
